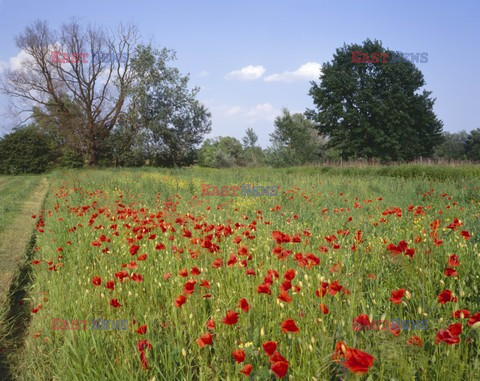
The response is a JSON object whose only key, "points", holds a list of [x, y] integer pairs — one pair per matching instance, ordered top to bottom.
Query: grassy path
{"points": [[18, 203]]}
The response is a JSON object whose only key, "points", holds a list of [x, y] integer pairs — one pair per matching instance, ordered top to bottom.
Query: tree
{"points": [[74, 85], [164, 109], [374, 110], [295, 140], [473, 145], [453, 146], [25, 150], [221, 152], [252, 154]]}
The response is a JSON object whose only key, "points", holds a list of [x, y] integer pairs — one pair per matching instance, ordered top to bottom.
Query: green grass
{"points": [[318, 200]]}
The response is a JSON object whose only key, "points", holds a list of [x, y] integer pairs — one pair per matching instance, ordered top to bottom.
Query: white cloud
{"points": [[308, 71], [204, 73], [247, 73], [259, 112]]}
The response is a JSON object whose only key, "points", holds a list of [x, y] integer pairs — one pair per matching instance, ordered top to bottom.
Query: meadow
{"points": [[255, 287]]}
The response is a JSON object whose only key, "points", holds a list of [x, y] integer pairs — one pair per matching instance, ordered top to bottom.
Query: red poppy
{"points": [[465, 234], [134, 249], [142, 257], [453, 261], [450, 272], [289, 274], [121, 275], [97, 281], [110, 284], [189, 287], [264, 288], [397, 295], [284, 296], [446, 296], [180, 300], [115, 303], [243, 305], [324, 308], [36, 309], [461, 314], [231, 317], [474, 319], [362, 322], [210, 325], [289, 326], [142, 329], [450, 335], [205, 340], [415, 340], [143, 344], [270, 347], [239, 355], [277, 357], [355, 360], [280, 368], [247, 369]]}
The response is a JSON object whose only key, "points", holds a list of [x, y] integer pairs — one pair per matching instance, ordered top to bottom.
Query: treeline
{"points": [[130, 107]]}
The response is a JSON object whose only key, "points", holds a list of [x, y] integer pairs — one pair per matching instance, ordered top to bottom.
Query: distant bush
{"points": [[25, 150]]}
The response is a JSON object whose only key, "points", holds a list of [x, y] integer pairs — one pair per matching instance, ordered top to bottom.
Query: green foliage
{"points": [[165, 109], [374, 110], [294, 141], [472, 145], [453, 146], [25, 150], [221, 152]]}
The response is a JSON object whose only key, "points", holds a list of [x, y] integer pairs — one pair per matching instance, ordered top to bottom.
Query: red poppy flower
{"points": [[465, 234], [134, 249], [142, 257], [453, 261], [36, 262], [195, 271], [450, 272], [289, 274], [121, 275], [97, 281], [110, 284], [189, 287], [264, 288], [397, 295], [284, 296], [446, 296], [180, 300], [115, 303], [243, 305], [36, 309], [324, 309], [461, 314], [231, 317], [474, 319], [362, 322], [210, 325], [289, 326], [142, 329], [450, 335], [205, 340], [415, 340], [143, 344], [270, 347], [239, 355], [277, 357], [355, 360], [280, 368], [247, 369]]}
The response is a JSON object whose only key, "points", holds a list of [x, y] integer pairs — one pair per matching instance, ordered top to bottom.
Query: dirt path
{"points": [[14, 239]]}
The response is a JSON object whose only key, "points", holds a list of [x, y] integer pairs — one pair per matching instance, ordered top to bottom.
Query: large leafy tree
{"points": [[82, 94], [165, 109], [374, 110], [295, 141], [453, 146], [221, 152], [252, 153]]}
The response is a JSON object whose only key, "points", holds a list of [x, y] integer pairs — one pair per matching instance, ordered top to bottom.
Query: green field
{"points": [[326, 250]]}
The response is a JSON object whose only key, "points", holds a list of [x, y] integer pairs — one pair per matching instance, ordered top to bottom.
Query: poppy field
{"points": [[256, 287]]}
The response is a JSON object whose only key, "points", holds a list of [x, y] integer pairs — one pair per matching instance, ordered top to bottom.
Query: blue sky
{"points": [[279, 44]]}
